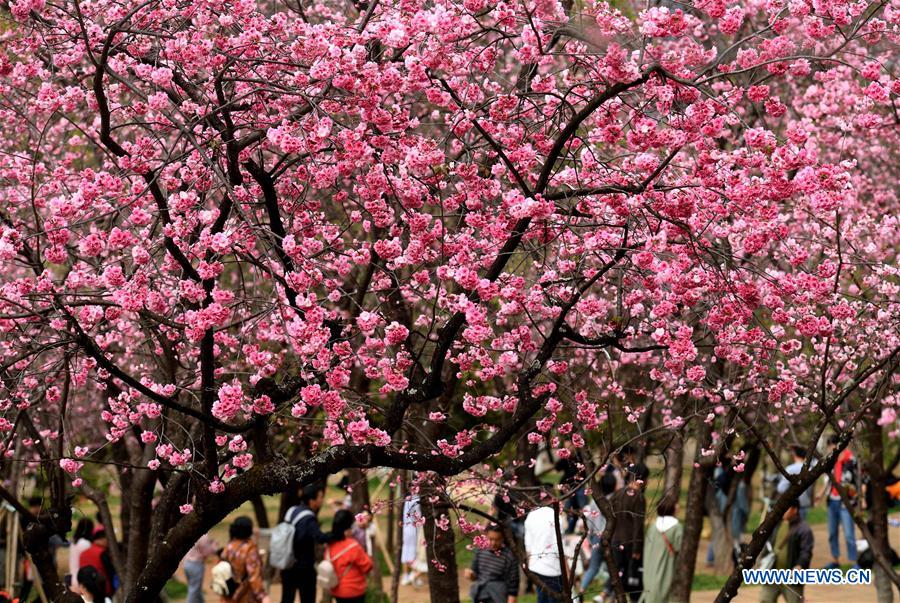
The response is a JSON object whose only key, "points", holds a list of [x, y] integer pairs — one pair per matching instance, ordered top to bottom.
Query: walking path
{"points": [[812, 594]]}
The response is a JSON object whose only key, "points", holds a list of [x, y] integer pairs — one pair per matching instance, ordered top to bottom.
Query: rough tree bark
{"points": [[674, 457], [524, 469], [359, 489], [259, 510], [878, 516], [693, 518], [721, 534], [440, 538], [440, 544], [137, 545], [397, 547]]}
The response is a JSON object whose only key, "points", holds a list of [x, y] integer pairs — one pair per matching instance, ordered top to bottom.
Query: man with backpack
{"points": [[846, 474], [806, 497], [793, 549], [299, 573]]}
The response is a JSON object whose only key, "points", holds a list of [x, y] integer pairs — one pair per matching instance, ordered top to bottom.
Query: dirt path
{"points": [[812, 594]]}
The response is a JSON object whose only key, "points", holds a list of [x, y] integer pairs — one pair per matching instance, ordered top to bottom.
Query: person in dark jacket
{"points": [[572, 479], [629, 507], [307, 534], [793, 550], [494, 572]]}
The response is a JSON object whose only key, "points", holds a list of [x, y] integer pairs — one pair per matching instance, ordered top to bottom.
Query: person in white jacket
{"points": [[81, 541], [543, 552]]}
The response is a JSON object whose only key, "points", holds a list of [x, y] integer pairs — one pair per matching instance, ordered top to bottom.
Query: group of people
{"points": [[622, 486], [540, 536], [643, 555], [645, 558], [91, 571], [238, 577]]}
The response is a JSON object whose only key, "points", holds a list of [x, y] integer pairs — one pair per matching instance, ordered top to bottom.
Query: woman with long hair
{"points": [[81, 541], [92, 585]]}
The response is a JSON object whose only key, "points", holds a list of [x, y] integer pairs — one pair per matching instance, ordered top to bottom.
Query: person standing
{"points": [[845, 474], [723, 476], [573, 480], [806, 498], [506, 507], [629, 508], [740, 509], [596, 524], [364, 530], [81, 541], [661, 548], [542, 550], [793, 550], [242, 554], [409, 554], [97, 556], [350, 560], [194, 565], [494, 572], [301, 577], [91, 585]]}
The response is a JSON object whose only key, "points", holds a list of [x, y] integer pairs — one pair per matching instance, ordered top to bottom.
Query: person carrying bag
{"points": [[343, 571], [244, 582]]}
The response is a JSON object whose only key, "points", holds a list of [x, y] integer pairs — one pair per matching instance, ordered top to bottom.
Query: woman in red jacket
{"points": [[351, 563]]}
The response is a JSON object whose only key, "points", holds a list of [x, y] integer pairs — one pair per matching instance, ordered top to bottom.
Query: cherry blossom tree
{"points": [[247, 245]]}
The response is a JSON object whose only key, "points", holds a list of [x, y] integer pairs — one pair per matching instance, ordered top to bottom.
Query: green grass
{"points": [[708, 582], [176, 590]]}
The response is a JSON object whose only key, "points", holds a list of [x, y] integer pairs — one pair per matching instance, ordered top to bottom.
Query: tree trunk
{"points": [[674, 456], [359, 489], [287, 500], [259, 510], [878, 511], [693, 519], [391, 522], [721, 534], [36, 539], [440, 539], [440, 544], [137, 547], [397, 548]]}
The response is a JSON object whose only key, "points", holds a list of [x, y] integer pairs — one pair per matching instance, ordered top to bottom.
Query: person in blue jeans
{"points": [[572, 479], [839, 516], [596, 523], [195, 566]]}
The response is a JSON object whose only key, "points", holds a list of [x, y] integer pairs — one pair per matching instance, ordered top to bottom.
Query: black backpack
{"points": [[850, 477]]}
